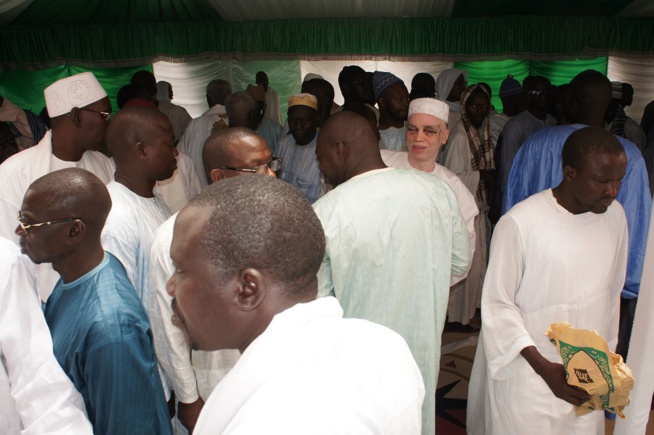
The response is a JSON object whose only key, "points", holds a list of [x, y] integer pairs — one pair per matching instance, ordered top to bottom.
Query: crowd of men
{"points": [[233, 273]]}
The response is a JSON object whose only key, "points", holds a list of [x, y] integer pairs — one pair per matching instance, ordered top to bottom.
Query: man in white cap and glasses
{"points": [[79, 110], [426, 133], [298, 149]]}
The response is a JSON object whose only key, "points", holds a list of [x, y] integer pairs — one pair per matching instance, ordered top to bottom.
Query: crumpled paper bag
{"points": [[590, 365]]}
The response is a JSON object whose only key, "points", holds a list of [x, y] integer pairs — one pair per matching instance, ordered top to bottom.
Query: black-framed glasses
{"points": [[539, 92], [105, 115], [275, 165], [25, 226]]}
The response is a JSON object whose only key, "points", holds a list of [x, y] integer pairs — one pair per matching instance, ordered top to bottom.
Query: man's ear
{"points": [[381, 102], [76, 116], [446, 135], [141, 150], [342, 152], [569, 173], [217, 174], [76, 232], [251, 289]]}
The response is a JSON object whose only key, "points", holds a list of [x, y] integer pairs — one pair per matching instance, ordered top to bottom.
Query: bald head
{"points": [[242, 110], [132, 125], [232, 147], [347, 147], [77, 192]]}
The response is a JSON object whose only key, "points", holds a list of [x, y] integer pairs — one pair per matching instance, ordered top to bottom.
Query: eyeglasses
{"points": [[539, 92], [105, 115], [275, 165], [25, 226]]}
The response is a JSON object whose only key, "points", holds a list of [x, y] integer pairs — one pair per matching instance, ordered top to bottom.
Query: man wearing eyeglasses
{"points": [[79, 110], [520, 127], [100, 331], [192, 376]]}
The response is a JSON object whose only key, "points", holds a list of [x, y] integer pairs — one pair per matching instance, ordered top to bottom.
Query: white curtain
{"points": [[640, 74]]}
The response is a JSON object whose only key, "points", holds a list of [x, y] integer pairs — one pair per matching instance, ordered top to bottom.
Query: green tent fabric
{"points": [[462, 39], [558, 72], [25, 88]]}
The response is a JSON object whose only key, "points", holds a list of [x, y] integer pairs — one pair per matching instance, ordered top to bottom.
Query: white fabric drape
{"points": [[639, 73]]}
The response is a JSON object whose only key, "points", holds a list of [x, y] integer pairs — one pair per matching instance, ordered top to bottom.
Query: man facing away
{"points": [[79, 110], [199, 129], [227, 153], [558, 256], [389, 262], [100, 331], [303, 367]]}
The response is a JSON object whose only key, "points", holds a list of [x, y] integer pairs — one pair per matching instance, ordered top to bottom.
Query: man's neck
{"points": [[537, 113], [386, 120], [63, 148], [422, 166], [143, 188], [79, 263]]}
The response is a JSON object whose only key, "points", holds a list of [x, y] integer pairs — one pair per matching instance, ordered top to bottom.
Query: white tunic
{"points": [[197, 132], [393, 138], [16, 175], [182, 186], [129, 231], [394, 238], [547, 265], [313, 372], [191, 374], [36, 396]]}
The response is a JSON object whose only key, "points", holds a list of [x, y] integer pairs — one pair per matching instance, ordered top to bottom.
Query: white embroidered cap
{"points": [[79, 90], [430, 106]]}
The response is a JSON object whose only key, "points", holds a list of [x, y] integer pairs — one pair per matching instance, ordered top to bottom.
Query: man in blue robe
{"points": [[100, 331]]}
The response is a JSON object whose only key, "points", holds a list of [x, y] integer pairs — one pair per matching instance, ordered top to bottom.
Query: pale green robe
{"points": [[394, 237]]}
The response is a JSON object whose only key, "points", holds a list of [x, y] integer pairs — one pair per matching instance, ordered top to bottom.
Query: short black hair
{"points": [[580, 144], [263, 223]]}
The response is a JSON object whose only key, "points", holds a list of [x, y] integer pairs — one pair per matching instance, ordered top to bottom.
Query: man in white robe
{"points": [[449, 87], [79, 110], [199, 129], [426, 133], [142, 143], [182, 186], [558, 256], [389, 261], [303, 368], [193, 375], [36, 397]]}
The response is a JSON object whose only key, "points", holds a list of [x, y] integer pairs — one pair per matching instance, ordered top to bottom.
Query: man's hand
{"points": [[554, 376], [189, 413]]}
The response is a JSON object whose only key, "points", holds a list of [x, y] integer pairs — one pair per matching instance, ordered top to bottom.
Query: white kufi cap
{"points": [[79, 90], [430, 106]]}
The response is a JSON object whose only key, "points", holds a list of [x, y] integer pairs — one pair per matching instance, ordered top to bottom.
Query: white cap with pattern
{"points": [[79, 90]]}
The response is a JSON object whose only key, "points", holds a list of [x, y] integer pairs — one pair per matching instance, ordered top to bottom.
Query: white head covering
{"points": [[311, 76], [445, 82], [79, 90], [430, 106]]}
